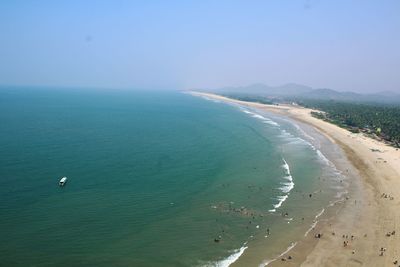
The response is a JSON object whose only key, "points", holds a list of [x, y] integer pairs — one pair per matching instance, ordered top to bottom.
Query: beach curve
{"points": [[364, 231]]}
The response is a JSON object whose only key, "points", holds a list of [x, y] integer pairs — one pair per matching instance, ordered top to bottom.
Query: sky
{"points": [[342, 45]]}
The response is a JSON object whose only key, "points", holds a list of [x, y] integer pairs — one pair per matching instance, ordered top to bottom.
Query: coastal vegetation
{"points": [[377, 120]]}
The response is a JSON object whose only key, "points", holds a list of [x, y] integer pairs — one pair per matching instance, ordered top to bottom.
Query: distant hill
{"points": [[265, 90], [292, 91]]}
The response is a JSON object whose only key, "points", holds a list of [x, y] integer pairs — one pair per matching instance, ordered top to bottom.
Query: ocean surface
{"points": [[154, 179]]}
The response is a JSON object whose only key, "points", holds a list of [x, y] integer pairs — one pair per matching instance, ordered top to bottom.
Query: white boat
{"points": [[63, 181]]}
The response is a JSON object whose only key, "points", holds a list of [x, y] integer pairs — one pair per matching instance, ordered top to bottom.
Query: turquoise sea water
{"points": [[153, 179]]}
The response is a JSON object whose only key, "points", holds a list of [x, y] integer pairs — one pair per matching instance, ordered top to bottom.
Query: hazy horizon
{"points": [[158, 45]]}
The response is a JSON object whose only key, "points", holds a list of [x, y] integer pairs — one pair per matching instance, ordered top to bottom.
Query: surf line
{"points": [[286, 186], [230, 259], [267, 262]]}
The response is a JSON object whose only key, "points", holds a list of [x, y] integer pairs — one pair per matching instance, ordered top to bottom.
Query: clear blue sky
{"points": [[344, 45]]}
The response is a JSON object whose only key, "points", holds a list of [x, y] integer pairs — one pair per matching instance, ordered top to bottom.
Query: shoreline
{"points": [[368, 214]]}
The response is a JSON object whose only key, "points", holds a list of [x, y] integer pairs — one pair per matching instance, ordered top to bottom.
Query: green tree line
{"points": [[380, 120]]}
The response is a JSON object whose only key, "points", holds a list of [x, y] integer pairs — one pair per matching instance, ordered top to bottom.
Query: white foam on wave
{"points": [[210, 99], [245, 110], [255, 115], [258, 116], [270, 122], [303, 132], [285, 133], [310, 139], [294, 140], [298, 140], [320, 155], [323, 158], [286, 166], [286, 186], [341, 188], [281, 200], [333, 203], [320, 213], [315, 222], [311, 228], [228, 260], [267, 262]]}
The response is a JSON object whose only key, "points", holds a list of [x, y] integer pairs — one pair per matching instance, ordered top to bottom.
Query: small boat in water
{"points": [[63, 181]]}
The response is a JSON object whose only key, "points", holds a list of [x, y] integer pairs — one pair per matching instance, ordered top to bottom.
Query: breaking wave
{"points": [[286, 187], [228, 260]]}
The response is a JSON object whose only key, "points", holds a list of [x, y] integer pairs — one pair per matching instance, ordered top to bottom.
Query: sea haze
{"points": [[154, 179]]}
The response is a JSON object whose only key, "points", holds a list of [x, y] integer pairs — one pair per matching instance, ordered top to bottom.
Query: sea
{"points": [[155, 178]]}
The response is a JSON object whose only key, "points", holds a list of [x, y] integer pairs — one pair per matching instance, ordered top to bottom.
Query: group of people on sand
{"points": [[384, 195], [391, 233], [347, 237], [352, 237], [346, 242], [382, 251], [288, 258]]}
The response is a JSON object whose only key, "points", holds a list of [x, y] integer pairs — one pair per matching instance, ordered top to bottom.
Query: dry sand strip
{"points": [[371, 216]]}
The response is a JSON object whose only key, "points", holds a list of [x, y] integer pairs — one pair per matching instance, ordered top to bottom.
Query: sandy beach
{"points": [[366, 230]]}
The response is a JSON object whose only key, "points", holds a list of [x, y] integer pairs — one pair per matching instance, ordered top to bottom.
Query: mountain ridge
{"points": [[298, 91]]}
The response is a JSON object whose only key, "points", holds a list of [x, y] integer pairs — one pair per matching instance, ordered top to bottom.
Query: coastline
{"points": [[367, 215]]}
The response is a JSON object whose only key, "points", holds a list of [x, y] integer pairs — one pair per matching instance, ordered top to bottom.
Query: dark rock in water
{"points": [[216, 240]]}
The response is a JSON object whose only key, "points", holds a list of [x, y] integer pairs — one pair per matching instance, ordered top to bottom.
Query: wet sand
{"points": [[366, 227]]}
